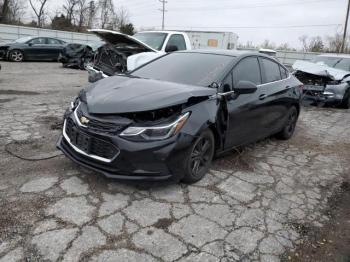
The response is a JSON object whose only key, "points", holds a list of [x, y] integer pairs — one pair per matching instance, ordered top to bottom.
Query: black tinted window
{"points": [[38, 41], [52, 41], [178, 41], [186, 68], [247, 70], [272, 70], [284, 72]]}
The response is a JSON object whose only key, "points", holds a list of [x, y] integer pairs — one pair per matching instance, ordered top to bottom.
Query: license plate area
{"points": [[313, 88], [81, 140]]}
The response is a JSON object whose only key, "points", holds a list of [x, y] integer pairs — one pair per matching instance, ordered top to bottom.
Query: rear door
{"points": [[54, 48], [273, 95], [244, 111]]}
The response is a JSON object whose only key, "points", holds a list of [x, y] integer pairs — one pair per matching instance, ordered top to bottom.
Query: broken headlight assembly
{"points": [[74, 104], [154, 133]]}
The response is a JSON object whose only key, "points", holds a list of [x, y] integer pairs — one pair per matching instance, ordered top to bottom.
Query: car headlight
{"points": [[156, 132]]}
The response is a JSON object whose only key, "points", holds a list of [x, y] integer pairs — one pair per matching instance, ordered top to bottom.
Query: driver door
{"points": [[37, 48], [244, 110]]}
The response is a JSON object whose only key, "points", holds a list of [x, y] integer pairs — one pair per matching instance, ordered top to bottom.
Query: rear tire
{"points": [[16, 56], [346, 100], [288, 131], [199, 157]]}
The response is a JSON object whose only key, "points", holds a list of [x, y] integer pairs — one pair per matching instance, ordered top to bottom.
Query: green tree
{"points": [[127, 29]]}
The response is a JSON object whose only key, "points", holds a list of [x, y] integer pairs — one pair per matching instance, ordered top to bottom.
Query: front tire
{"points": [[16, 56], [346, 100], [288, 131], [199, 157]]}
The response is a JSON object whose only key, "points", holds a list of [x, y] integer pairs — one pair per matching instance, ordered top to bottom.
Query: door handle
{"points": [[287, 87], [262, 97]]}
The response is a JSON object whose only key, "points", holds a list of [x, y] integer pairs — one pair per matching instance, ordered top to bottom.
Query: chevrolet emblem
{"points": [[84, 120]]}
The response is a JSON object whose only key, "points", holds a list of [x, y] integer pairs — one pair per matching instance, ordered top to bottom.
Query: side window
{"points": [[38, 41], [52, 41], [178, 41], [271, 69], [247, 70], [284, 72]]}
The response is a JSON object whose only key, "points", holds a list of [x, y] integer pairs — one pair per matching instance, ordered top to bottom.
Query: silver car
{"points": [[326, 79]]}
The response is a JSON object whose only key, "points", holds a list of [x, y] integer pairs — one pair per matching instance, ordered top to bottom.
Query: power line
{"points": [[250, 7]]}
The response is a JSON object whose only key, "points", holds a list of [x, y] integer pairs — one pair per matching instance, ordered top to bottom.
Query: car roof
{"points": [[159, 31], [233, 53], [335, 55]]}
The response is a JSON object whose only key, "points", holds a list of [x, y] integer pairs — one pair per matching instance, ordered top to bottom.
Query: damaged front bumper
{"points": [[94, 74], [331, 94], [116, 157]]}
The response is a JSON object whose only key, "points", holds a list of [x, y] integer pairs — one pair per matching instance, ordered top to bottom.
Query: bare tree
{"points": [[69, 8], [106, 8], [4, 11], [12, 11], [39, 11], [82, 11], [121, 18], [303, 40], [316, 44], [334, 44], [268, 45]]}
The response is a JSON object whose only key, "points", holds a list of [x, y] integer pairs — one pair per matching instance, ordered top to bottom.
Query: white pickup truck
{"points": [[124, 53]]}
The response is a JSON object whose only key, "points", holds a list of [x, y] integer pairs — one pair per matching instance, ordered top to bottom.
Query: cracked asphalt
{"points": [[250, 206]]}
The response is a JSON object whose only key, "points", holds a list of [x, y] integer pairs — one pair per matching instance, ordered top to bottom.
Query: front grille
{"points": [[100, 126], [89, 144]]}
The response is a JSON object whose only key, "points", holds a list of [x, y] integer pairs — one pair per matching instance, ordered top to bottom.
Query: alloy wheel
{"points": [[16, 56], [292, 121], [201, 156]]}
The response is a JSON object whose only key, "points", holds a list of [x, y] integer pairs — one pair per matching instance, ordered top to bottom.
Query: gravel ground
{"points": [[251, 207]]}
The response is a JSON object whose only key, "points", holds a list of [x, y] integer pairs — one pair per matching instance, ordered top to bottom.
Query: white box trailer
{"points": [[212, 39]]}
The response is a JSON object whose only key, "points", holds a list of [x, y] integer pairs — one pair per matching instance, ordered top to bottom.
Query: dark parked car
{"points": [[32, 48], [77, 55], [168, 118]]}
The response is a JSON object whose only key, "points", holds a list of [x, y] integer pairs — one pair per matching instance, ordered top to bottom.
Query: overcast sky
{"points": [[253, 20]]}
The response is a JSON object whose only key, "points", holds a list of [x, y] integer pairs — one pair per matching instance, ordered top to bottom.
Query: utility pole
{"points": [[163, 11], [345, 28]]}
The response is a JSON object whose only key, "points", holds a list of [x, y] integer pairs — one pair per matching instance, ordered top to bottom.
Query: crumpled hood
{"points": [[122, 40], [320, 70], [120, 94]]}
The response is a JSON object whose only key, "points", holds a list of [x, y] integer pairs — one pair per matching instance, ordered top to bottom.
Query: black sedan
{"points": [[32, 48], [168, 118]]}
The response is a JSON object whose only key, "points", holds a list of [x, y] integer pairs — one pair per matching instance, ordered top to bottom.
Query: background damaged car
{"points": [[76, 55], [112, 58], [326, 79], [169, 117]]}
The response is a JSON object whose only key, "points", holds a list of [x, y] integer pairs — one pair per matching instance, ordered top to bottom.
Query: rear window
{"points": [[186, 68], [271, 69]]}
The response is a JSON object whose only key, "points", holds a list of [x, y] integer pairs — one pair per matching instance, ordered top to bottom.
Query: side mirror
{"points": [[30, 44], [171, 48], [245, 87]]}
